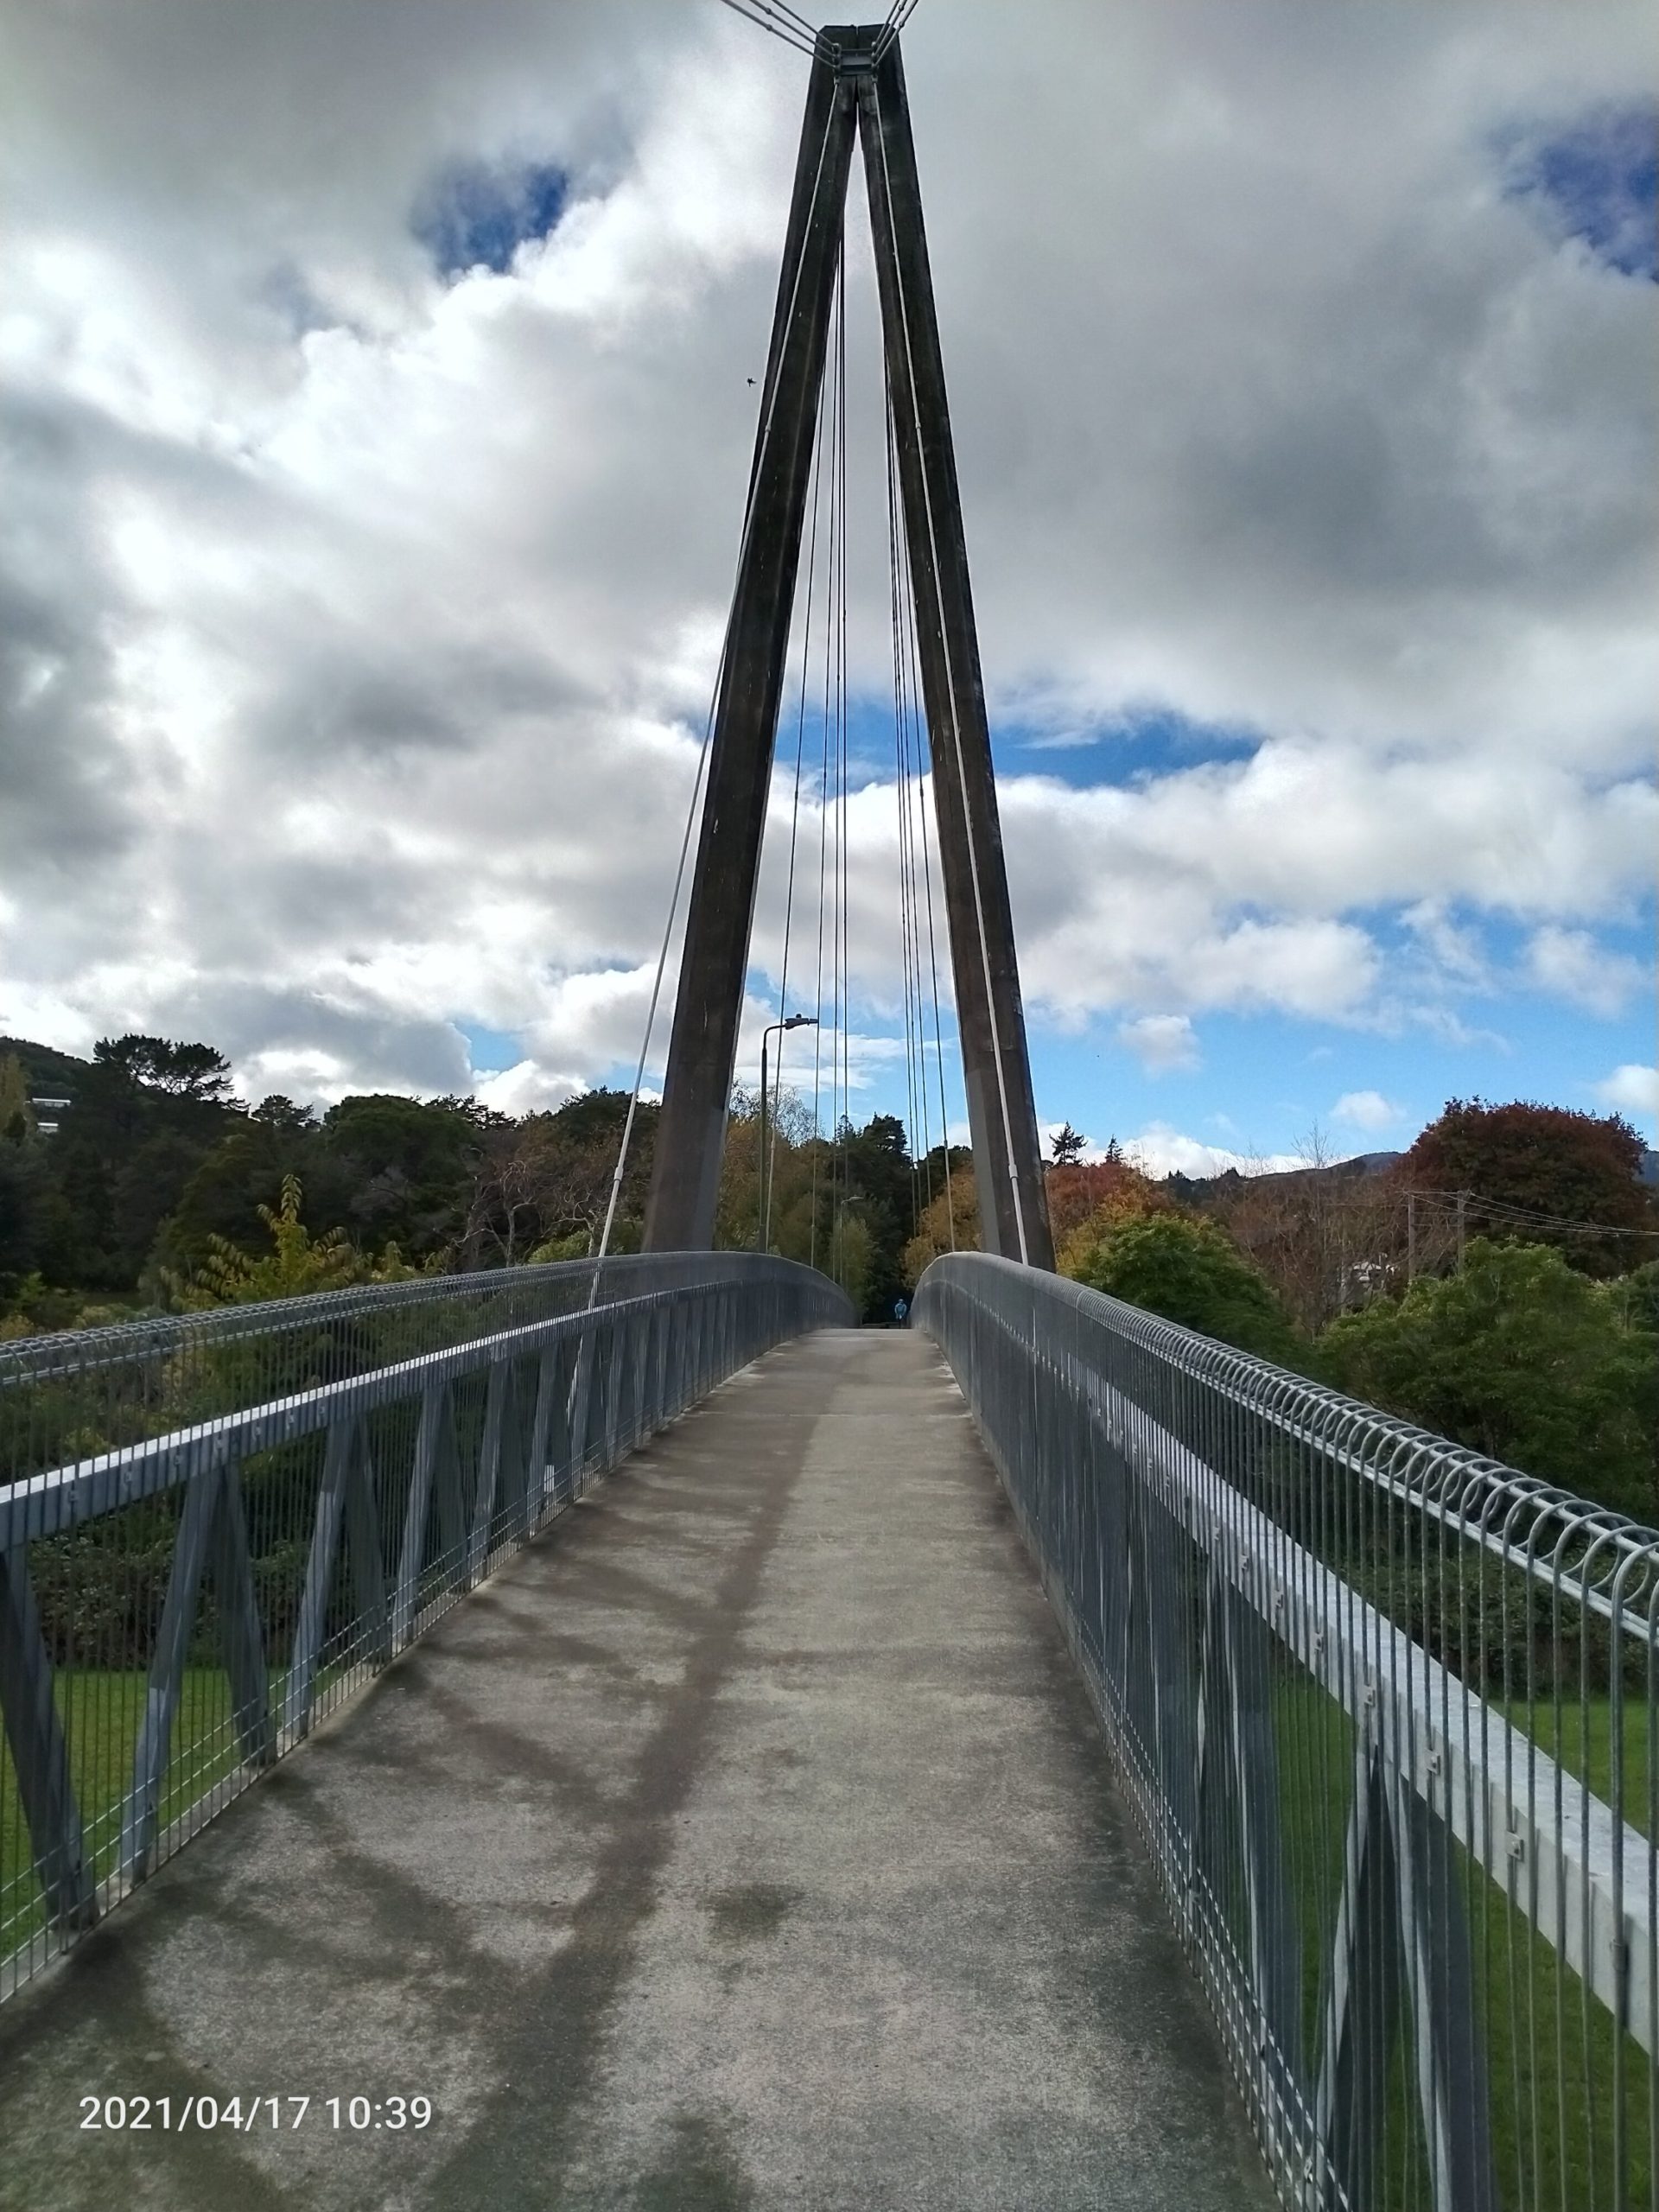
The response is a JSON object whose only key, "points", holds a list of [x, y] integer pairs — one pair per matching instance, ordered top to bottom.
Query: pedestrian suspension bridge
{"points": [[616, 1734]]}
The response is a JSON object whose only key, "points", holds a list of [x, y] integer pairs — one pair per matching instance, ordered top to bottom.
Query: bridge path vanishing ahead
{"points": [[747, 1842]]}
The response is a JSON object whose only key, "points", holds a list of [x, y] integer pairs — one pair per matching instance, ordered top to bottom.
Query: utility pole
{"points": [[851, 88], [762, 1241]]}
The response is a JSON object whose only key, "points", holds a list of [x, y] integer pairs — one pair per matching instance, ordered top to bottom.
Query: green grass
{"points": [[100, 1713], [1586, 1748], [1552, 2051]]}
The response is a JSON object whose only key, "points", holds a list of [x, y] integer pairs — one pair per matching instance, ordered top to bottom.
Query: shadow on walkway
{"points": [[748, 1842]]}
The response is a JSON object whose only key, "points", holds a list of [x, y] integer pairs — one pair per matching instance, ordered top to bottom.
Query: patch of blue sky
{"points": [[1597, 180], [477, 215], [1137, 745], [1458, 1015], [490, 1051], [1257, 1086]]}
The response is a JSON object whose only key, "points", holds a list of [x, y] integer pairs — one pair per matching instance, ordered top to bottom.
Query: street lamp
{"points": [[795, 1022]]}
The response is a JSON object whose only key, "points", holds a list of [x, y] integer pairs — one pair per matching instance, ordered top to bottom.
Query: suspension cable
{"points": [[767, 16], [898, 16], [830, 401], [930, 520], [721, 672], [926, 799], [916, 1106], [769, 1166]]}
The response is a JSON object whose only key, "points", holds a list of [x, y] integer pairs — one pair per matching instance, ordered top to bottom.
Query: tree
{"points": [[169, 1064], [16, 1109], [281, 1115], [1068, 1146], [1540, 1160], [414, 1167], [881, 1182], [543, 1185], [226, 1198], [1089, 1201], [22, 1204], [935, 1233], [1326, 1237], [850, 1260], [296, 1263], [1188, 1269], [1638, 1297], [1518, 1356]]}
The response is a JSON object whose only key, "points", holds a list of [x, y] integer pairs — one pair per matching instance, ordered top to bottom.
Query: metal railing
{"points": [[214, 1527], [1385, 1713]]}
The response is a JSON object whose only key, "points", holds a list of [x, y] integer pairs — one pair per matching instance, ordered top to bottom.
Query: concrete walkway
{"points": [[747, 1843]]}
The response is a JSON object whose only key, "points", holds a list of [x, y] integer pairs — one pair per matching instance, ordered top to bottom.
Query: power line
{"points": [[1501, 1211], [1527, 1217]]}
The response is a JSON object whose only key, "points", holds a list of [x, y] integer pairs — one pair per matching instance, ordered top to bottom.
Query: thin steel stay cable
{"points": [[783, 7], [758, 12], [898, 16], [829, 401], [696, 788], [927, 799], [843, 846], [973, 852], [910, 948], [769, 1167]]}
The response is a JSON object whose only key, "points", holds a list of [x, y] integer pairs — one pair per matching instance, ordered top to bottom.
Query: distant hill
{"points": [[45, 1067], [1198, 1189], [1194, 1190]]}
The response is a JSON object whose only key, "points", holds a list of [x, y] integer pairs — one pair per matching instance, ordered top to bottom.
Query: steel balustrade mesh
{"points": [[215, 1527], [1385, 1714]]}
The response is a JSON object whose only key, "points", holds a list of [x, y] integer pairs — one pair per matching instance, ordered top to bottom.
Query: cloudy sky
{"points": [[377, 422]]}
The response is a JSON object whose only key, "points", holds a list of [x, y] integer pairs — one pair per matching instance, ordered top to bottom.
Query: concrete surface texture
{"points": [[748, 1842]]}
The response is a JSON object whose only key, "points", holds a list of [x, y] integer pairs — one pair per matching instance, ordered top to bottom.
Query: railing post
{"points": [[435, 1401], [489, 1469], [190, 1542], [310, 1629], [241, 1631], [39, 1761]]}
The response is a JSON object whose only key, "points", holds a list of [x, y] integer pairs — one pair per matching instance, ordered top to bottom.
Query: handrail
{"points": [[238, 1517], [1388, 1715]]}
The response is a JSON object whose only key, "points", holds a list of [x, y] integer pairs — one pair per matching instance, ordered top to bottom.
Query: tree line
{"points": [[154, 1185], [1498, 1283]]}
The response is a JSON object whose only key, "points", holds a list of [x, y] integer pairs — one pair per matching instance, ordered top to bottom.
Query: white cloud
{"points": [[359, 630], [1571, 964], [1161, 1042], [526, 1088], [1632, 1089], [1367, 1110], [1159, 1150]]}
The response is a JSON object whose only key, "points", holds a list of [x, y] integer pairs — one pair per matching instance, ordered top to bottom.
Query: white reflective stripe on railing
{"points": [[43, 1505], [1463, 1769]]}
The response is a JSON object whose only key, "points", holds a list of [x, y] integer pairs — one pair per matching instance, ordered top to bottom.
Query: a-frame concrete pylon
{"points": [[857, 83]]}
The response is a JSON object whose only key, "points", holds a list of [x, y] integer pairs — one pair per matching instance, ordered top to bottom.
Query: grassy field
{"points": [[100, 1713], [1584, 1748], [1553, 2056]]}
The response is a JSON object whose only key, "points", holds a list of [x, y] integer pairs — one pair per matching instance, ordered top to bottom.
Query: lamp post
{"points": [[795, 1022]]}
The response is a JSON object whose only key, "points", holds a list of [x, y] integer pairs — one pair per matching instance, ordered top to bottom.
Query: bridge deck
{"points": [[748, 1843]]}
